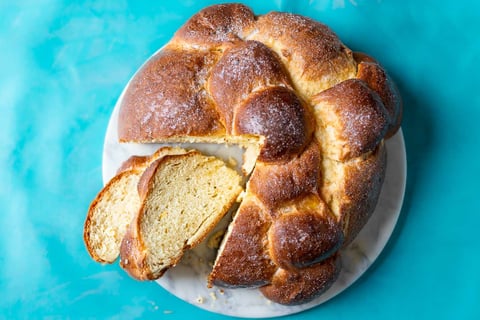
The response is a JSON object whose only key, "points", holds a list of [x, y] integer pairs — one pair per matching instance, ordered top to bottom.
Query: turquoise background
{"points": [[63, 64]]}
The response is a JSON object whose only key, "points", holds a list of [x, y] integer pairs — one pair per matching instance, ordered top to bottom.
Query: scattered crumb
{"points": [[232, 162], [241, 196], [215, 239], [221, 291], [213, 295], [200, 300]]}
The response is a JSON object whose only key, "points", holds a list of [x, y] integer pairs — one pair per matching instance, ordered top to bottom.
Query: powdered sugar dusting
{"points": [[217, 25], [313, 55], [243, 68]]}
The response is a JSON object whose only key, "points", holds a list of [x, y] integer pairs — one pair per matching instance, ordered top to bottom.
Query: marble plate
{"points": [[188, 281]]}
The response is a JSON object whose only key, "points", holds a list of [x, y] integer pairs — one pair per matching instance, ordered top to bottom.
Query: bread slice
{"points": [[182, 198], [115, 205]]}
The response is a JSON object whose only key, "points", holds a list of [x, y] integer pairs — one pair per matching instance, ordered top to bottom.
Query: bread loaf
{"points": [[316, 114]]}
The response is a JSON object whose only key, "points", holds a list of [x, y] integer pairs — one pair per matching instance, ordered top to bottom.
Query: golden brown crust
{"points": [[216, 25], [313, 54], [242, 69], [378, 80], [166, 99], [277, 114], [356, 116], [133, 162], [368, 176], [278, 183], [354, 194], [302, 238], [247, 248], [133, 253], [299, 286]]}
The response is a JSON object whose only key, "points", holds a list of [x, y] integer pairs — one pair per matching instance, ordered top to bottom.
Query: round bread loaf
{"points": [[314, 113]]}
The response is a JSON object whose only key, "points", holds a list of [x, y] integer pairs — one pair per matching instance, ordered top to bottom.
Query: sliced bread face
{"points": [[182, 198], [114, 207], [110, 214]]}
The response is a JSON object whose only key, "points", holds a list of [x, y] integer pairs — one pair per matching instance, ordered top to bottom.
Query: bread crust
{"points": [[216, 26], [313, 54], [241, 70], [370, 71], [169, 100], [279, 116], [352, 120], [360, 191], [248, 233], [304, 237], [133, 255], [298, 286]]}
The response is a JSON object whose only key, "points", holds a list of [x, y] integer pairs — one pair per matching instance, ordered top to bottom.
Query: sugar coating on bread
{"points": [[313, 55], [183, 198]]}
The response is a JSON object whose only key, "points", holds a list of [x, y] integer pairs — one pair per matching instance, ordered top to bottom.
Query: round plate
{"points": [[188, 280]]}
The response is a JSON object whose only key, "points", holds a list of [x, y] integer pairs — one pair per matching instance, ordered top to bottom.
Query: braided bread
{"points": [[313, 117]]}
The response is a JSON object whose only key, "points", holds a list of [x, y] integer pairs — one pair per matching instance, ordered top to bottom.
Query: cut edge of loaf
{"points": [[249, 142]]}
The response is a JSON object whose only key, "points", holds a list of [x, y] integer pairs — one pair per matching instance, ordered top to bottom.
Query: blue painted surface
{"points": [[64, 63]]}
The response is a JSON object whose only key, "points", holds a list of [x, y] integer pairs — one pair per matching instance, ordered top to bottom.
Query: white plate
{"points": [[188, 279]]}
